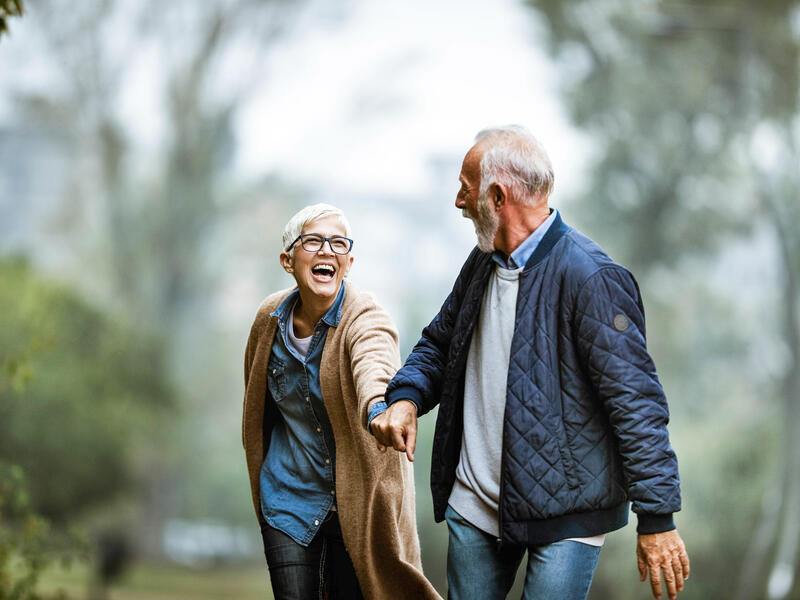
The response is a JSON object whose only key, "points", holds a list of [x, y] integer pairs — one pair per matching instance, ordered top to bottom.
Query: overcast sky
{"points": [[361, 93], [363, 105]]}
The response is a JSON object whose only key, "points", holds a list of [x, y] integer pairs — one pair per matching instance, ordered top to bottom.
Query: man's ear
{"points": [[498, 195], [287, 263]]}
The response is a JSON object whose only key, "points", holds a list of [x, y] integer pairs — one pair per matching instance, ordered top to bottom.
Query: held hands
{"points": [[397, 427], [663, 551]]}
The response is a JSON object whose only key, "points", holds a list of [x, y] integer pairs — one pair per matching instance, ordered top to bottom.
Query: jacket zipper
{"points": [[500, 501]]}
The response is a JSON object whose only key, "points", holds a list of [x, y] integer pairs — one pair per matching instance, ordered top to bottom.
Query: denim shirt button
{"points": [[319, 430], [327, 461], [316, 522]]}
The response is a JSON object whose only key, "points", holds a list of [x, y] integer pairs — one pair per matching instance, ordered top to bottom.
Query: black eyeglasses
{"points": [[312, 242]]}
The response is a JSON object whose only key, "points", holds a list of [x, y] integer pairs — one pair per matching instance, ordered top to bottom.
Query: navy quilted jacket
{"points": [[585, 425]]}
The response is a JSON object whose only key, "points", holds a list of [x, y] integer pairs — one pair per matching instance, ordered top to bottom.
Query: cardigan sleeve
{"points": [[611, 341], [372, 342]]}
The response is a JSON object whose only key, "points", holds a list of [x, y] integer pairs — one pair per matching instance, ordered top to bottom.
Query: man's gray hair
{"points": [[515, 158], [311, 213]]}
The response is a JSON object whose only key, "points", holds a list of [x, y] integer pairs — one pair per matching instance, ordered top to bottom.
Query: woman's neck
{"points": [[307, 313]]}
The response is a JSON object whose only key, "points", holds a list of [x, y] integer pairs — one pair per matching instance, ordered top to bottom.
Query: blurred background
{"points": [[151, 152]]}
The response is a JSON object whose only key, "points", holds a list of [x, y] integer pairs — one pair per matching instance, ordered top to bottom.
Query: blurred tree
{"points": [[9, 8], [693, 107], [154, 208], [159, 214], [77, 395], [28, 544]]}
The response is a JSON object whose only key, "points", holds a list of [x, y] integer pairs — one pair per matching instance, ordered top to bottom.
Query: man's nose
{"points": [[460, 202]]}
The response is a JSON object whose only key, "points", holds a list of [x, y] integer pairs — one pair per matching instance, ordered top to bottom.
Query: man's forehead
{"points": [[472, 162]]}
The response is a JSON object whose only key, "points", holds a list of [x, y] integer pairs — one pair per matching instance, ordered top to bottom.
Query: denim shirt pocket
{"points": [[276, 378]]}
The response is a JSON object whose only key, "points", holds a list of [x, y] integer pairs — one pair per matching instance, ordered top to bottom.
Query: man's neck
{"points": [[522, 221]]}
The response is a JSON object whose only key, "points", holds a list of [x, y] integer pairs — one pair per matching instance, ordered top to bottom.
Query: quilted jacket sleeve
{"points": [[610, 326], [420, 378]]}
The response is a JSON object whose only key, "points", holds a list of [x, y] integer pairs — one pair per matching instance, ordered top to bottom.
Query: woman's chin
{"points": [[320, 289]]}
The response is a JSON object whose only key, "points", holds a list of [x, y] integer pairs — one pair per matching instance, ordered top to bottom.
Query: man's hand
{"points": [[397, 427], [656, 552]]}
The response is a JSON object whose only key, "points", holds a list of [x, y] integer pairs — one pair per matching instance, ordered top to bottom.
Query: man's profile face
{"points": [[470, 180], [473, 206]]}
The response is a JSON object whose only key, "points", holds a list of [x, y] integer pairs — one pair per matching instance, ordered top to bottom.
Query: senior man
{"points": [[551, 416]]}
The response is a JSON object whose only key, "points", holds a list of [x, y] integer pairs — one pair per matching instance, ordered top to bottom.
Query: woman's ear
{"points": [[287, 263], [348, 264]]}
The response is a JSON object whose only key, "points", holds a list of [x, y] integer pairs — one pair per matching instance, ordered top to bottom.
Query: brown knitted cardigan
{"points": [[374, 491]]}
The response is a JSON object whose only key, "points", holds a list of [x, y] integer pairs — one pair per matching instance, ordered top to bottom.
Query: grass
{"points": [[167, 582]]}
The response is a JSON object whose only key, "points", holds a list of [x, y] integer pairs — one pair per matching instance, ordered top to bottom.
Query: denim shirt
{"points": [[297, 477]]}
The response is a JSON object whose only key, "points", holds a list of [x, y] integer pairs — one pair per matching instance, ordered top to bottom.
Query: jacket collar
{"points": [[550, 239]]}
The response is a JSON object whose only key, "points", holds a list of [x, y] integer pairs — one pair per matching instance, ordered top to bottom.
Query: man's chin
{"points": [[485, 246]]}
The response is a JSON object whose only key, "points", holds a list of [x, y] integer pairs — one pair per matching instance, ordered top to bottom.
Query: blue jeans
{"points": [[322, 569], [477, 569]]}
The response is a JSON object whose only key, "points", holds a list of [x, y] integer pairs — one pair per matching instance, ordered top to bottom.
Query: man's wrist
{"points": [[405, 392], [648, 523]]}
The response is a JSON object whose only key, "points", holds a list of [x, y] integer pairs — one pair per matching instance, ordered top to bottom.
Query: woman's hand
{"points": [[397, 427]]}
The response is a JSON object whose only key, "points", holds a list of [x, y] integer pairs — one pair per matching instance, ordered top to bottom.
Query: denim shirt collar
{"points": [[520, 256], [330, 318]]}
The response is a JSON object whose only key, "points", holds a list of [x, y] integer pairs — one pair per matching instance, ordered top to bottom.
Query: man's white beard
{"points": [[486, 224]]}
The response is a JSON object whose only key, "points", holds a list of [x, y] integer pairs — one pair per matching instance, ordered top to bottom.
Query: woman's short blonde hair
{"points": [[311, 213]]}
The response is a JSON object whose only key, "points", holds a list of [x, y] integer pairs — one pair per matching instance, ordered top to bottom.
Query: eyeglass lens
{"points": [[312, 243]]}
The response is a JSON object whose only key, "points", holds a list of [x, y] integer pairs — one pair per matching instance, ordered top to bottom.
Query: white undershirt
{"points": [[300, 344]]}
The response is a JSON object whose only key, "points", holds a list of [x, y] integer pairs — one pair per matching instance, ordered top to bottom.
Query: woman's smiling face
{"points": [[319, 273]]}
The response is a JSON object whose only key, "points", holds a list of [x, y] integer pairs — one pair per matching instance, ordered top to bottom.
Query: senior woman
{"points": [[337, 516]]}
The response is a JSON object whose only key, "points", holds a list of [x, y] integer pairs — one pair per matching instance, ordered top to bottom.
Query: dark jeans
{"points": [[321, 570]]}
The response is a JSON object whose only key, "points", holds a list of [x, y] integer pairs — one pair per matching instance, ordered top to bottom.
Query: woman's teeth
{"points": [[323, 271]]}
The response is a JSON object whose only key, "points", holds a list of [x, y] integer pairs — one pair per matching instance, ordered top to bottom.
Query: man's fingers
{"points": [[378, 428], [398, 442], [411, 442], [684, 558], [642, 564], [677, 568], [655, 580], [669, 581]]}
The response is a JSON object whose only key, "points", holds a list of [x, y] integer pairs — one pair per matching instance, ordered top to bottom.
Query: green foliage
{"points": [[9, 8], [78, 393], [28, 544]]}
